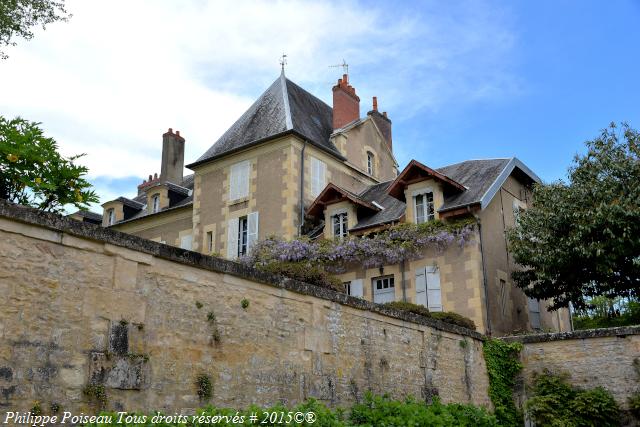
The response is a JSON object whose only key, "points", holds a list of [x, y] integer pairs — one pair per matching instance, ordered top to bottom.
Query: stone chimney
{"points": [[346, 104], [382, 121], [172, 157]]}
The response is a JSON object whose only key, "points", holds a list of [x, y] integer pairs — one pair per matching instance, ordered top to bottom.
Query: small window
{"points": [[370, 162], [318, 176], [239, 180], [155, 203], [424, 209], [111, 217], [340, 225], [242, 235], [209, 241], [354, 288], [383, 289], [534, 313]]}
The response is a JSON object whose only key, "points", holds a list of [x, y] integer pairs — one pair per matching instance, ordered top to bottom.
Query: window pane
{"points": [[419, 205]]}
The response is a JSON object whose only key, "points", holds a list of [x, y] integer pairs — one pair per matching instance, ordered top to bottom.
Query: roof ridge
{"points": [[285, 98]]}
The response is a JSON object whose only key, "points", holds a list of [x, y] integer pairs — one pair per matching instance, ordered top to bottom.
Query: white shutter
{"points": [[318, 176], [239, 180], [252, 229], [232, 238], [185, 242], [421, 287], [355, 288], [434, 297], [534, 313]]}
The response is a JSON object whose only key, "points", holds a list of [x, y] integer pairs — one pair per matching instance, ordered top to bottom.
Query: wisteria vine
{"points": [[391, 246]]}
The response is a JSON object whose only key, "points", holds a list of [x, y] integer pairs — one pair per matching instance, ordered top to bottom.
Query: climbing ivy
{"points": [[503, 365]]}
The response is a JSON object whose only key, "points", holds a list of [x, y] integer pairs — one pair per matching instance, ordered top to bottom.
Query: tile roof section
{"points": [[283, 108], [393, 208]]}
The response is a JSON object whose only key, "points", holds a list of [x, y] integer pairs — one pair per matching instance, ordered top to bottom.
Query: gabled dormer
{"points": [[424, 191], [120, 209]]}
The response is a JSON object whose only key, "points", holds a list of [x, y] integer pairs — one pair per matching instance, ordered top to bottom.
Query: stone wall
{"points": [[85, 304], [600, 357]]}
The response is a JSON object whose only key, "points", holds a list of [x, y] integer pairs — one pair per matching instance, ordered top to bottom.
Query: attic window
{"points": [[370, 162], [155, 203], [424, 210], [111, 217], [340, 225]]}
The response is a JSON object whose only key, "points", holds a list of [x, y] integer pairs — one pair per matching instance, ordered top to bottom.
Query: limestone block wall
{"points": [[87, 305], [600, 357]]}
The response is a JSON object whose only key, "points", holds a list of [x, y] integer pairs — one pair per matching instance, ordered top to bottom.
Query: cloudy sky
{"points": [[460, 80]]}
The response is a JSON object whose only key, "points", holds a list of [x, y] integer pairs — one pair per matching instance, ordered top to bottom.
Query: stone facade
{"points": [[86, 304], [609, 358]]}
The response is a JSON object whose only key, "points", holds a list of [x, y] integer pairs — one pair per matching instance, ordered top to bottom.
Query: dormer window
{"points": [[370, 162], [155, 203], [424, 210], [111, 216], [340, 225]]}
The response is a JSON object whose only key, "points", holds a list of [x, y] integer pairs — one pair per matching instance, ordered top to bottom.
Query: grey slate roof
{"points": [[283, 108], [477, 175], [89, 216]]}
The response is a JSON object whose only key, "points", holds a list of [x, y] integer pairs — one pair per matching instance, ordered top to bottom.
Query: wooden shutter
{"points": [[318, 176], [239, 180], [252, 229], [232, 238], [186, 241], [421, 286], [356, 288], [434, 294]]}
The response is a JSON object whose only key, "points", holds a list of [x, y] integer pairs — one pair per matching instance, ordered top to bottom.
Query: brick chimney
{"points": [[346, 104], [382, 121], [172, 157]]}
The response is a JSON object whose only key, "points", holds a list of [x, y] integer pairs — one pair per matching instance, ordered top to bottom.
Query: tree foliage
{"points": [[18, 17], [33, 173], [582, 238]]}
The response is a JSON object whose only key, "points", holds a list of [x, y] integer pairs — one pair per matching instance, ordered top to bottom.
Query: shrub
{"points": [[304, 272], [445, 316], [503, 365], [204, 387], [556, 403], [634, 404]]}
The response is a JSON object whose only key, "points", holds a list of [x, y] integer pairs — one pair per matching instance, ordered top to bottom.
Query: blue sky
{"points": [[460, 79]]}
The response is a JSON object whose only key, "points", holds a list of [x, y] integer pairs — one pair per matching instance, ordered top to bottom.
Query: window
{"points": [[370, 162], [318, 176], [239, 180], [155, 203], [424, 210], [111, 216], [340, 225], [242, 234], [186, 241], [209, 241], [354, 288], [383, 289], [428, 292], [503, 295], [534, 312]]}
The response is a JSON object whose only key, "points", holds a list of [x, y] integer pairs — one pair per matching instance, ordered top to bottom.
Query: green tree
{"points": [[18, 17], [33, 173], [581, 238]]}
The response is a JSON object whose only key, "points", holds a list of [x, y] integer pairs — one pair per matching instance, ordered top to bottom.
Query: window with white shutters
{"points": [[370, 162], [318, 176], [239, 180], [155, 203], [111, 217], [340, 225], [252, 230], [232, 237], [186, 241], [354, 288], [428, 292]]}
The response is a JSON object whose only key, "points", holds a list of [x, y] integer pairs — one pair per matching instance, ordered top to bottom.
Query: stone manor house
{"points": [[291, 160]]}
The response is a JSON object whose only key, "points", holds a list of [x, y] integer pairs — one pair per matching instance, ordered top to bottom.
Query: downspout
{"points": [[304, 145], [484, 274]]}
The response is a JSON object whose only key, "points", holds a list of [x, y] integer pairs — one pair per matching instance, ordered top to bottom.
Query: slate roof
{"points": [[283, 108], [480, 177], [90, 216]]}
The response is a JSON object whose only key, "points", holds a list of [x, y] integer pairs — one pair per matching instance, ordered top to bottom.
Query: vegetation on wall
{"points": [[33, 173], [581, 238], [444, 316], [503, 365], [204, 387], [96, 393], [556, 403], [372, 411]]}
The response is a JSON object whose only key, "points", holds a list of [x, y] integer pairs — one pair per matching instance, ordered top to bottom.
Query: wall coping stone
{"points": [[96, 232], [621, 331]]}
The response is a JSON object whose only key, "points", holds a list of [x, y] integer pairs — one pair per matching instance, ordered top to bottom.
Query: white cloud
{"points": [[116, 76]]}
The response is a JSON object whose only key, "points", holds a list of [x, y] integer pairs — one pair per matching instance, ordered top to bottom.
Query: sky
{"points": [[459, 79]]}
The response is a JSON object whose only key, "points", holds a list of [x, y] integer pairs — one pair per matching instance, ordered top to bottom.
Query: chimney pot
{"points": [[345, 78], [375, 103], [384, 113], [170, 130], [178, 132], [155, 175], [150, 177]]}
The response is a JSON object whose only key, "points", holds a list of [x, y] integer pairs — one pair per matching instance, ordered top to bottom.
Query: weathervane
{"points": [[283, 61], [344, 65]]}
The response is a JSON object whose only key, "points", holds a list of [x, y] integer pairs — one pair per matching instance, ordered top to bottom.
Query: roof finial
{"points": [[283, 61], [344, 65]]}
